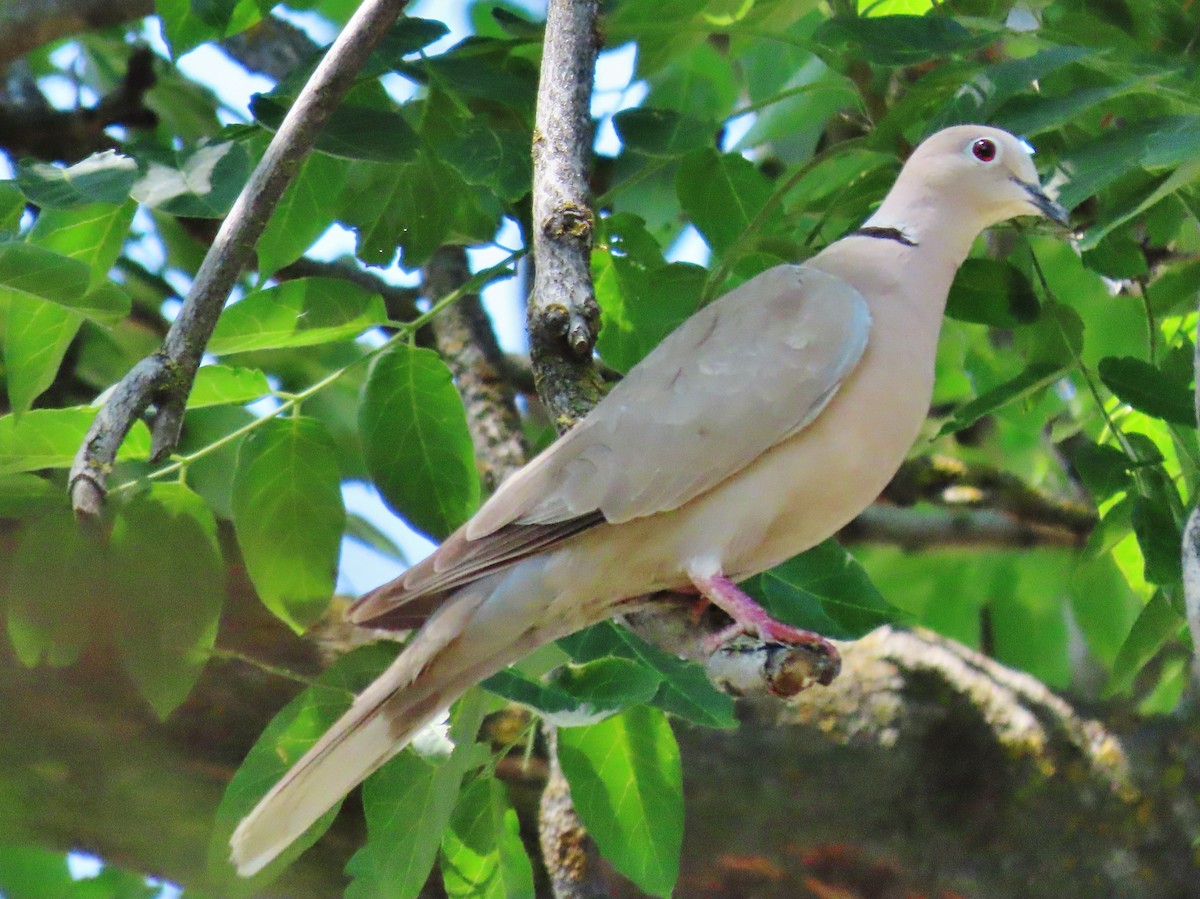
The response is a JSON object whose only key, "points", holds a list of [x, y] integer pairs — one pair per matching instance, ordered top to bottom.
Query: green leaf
{"points": [[183, 29], [408, 35], [898, 40], [990, 86], [352, 132], [662, 132], [497, 158], [105, 177], [202, 184], [721, 194], [12, 207], [303, 214], [93, 234], [992, 292], [641, 306], [303, 312], [37, 335], [1035, 378], [219, 385], [1149, 389], [48, 438], [416, 440], [1103, 469], [24, 495], [288, 515], [369, 534], [1159, 538], [165, 548], [56, 587], [824, 589], [1103, 606], [1156, 624], [685, 690], [581, 694], [289, 735], [627, 785], [408, 804], [482, 853], [28, 873]]}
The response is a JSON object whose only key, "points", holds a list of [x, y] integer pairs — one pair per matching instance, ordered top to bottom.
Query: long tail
{"points": [[484, 627]]}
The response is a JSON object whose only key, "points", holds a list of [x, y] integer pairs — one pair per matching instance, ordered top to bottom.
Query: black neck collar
{"points": [[884, 234]]}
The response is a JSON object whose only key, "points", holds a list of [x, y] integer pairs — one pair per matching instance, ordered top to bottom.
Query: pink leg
{"points": [[750, 617]]}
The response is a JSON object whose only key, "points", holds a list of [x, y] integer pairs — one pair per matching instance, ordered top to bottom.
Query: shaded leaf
{"points": [[898, 40], [352, 132], [662, 132], [494, 157], [105, 177], [721, 194], [303, 214], [992, 292], [302, 312], [1035, 378], [1149, 389], [416, 440], [1103, 469], [23, 495], [288, 515], [1159, 538], [165, 549], [57, 585], [1156, 624], [685, 690], [581, 694], [627, 786]]}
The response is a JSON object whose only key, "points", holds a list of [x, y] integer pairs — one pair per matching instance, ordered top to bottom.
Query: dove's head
{"points": [[984, 172]]}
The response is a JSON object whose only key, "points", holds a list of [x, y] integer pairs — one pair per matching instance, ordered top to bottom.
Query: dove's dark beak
{"points": [[1052, 210]]}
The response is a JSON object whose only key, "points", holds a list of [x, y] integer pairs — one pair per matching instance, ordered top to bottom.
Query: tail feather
{"points": [[476, 632]]}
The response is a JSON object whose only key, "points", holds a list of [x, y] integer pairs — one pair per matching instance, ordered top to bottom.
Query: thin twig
{"points": [[165, 379]]}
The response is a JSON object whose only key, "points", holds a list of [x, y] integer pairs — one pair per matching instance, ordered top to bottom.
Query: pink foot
{"points": [[751, 618]]}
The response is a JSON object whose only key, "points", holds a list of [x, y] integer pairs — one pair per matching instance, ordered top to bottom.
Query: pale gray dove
{"points": [[762, 425]]}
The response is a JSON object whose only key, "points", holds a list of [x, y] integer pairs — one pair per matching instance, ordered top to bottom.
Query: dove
{"points": [[758, 428]]}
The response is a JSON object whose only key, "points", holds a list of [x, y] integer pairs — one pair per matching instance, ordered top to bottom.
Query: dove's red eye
{"points": [[984, 149]]}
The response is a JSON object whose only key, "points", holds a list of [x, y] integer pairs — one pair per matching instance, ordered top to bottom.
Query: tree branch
{"points": [[28, 24], [563, 314], [165, 378]]}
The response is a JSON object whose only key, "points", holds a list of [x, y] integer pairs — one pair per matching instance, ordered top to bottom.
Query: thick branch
{"points": [[28, 24], [38, 130], [563, 314], [169, 373]]}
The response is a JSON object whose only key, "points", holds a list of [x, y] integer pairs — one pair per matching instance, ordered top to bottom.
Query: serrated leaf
{"points": [[352, 132], [662, 132], [493, 157], [105, 177], [201, 184], [721, 194], [303, 214], [992, 292], [303, 312], [37, 335], [1033, 379], [220, 385], [1149, 389], [48, 438], [416, 440], [23, 495], [288, 515], [165, 547], [56, 586], [825, 590], [1156, 624], [685, 689], [289, 735], [627, 786], [482, 853]]}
